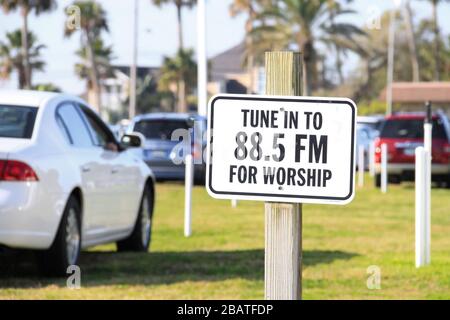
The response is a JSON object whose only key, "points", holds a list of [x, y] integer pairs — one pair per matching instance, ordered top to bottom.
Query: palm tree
{"points": [[179, 4], [247, 6], [25, 7], [407, 13], [92, 22], [303, 22], [437, 39], [102, 57], [12, 58], [179, 70], [49, 87]]}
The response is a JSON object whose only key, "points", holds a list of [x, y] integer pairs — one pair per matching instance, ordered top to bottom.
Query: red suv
{"points": [[403, 133]]}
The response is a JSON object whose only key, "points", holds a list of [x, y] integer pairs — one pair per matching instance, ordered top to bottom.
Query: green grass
{"points": [[224, 258]]}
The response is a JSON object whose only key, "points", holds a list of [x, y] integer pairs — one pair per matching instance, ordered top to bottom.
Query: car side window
{"points": [[75, 128], [101, 135]]}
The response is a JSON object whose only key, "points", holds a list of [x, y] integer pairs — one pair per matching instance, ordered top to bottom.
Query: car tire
{"points": [[395, 179], [378, 180], [140, 238], [66, 248]]}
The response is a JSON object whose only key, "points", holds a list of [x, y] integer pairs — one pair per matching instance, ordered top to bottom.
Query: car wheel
{"points": [[395, 179], [378, 180], [140, 238], [66, 247]]}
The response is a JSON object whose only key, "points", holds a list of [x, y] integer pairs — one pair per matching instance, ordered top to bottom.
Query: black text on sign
{"points": [[290, 149]]}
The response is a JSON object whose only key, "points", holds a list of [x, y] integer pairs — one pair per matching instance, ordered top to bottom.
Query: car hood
{"points": [[9, 145]]}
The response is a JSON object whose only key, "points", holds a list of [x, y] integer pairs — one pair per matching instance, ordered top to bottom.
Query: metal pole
{"points": [[202, 66], [390, 67], [133, 70], [372, 158], [361, 166], [384, 174], [188, 183], [234, 203]]}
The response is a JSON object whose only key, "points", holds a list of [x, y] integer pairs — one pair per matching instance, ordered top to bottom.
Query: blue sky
{"points": [[157, 34]]}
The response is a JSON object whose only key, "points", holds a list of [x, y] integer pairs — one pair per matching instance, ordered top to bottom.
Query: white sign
{"points": [[282, 149]]}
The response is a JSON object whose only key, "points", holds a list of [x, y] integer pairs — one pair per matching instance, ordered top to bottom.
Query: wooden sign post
{"points": [[283, 231]]}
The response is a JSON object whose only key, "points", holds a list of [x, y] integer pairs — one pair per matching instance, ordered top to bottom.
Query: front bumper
{"points": [[406, 171], [29, 216]]}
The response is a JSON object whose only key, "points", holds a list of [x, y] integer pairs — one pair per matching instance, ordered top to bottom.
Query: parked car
{"points": [[372, 123], [367, 130], [403, 133], [363, 139], [167, 143], [65, 181]]}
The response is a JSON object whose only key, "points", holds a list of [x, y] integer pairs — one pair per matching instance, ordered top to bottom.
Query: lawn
{"points": [[224, 258]]}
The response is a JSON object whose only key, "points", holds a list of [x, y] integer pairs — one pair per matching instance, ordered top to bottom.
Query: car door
{"points": [[88, 160], [123, 197]]}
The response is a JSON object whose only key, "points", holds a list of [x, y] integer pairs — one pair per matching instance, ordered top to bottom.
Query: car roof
{"points": [[26, 98], [167, 116], [410, 116], [369, 119]]}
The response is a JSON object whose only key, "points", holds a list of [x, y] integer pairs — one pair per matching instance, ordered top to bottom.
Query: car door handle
{"points": [[85, 169]]}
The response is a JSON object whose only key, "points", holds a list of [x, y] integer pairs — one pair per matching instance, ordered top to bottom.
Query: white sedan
{"points": [[66, 183]]}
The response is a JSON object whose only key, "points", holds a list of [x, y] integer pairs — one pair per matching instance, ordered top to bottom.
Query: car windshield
{"points": [[17, 122], [161, 129], [411, 129]]}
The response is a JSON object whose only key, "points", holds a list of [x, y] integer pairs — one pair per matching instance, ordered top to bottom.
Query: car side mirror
{"points": [[190, 122], [132, 140]]}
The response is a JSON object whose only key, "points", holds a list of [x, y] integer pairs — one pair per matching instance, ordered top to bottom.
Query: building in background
{"points": [[228, 73], [411, 96]]}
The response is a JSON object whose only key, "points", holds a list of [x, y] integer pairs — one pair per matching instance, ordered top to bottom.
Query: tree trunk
{"points": [[180, 26], [411, 43], [249, 45], [436, 47], [338, 52], [308, 53], [25, 54], [339, 65], [94, 76], [21, 77], [182, 103], [182, 107]]}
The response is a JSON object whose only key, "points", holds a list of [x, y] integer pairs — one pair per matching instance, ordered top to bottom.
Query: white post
{"points": [[202, 66], [133, 70], [428, 131], [372, 159], [361, 166], [384, 174], [188, 182], [233, 203], [421, 206]]}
